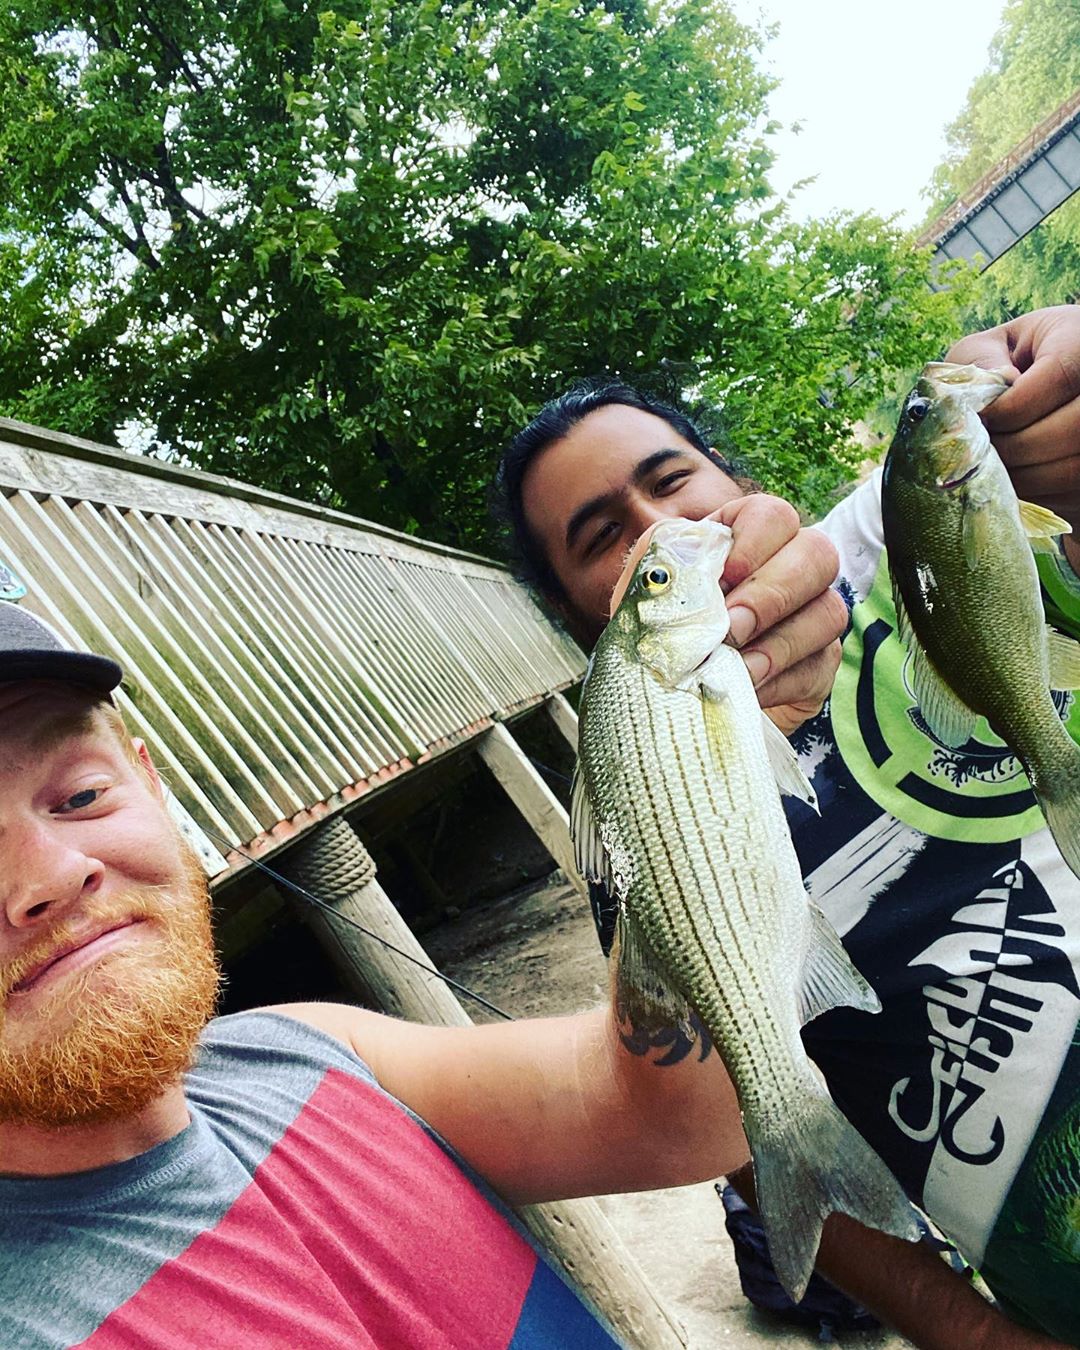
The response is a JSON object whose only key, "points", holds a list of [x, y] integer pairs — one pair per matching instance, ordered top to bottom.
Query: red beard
{"points": [[111, 1038]]}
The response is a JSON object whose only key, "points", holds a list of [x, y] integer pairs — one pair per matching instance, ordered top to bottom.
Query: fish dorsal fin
{"points": [[1041, 525], [977, 530], [1064, 660], [949, 719], [785, 765], [589, 852], [829, 980], [644, 993]]}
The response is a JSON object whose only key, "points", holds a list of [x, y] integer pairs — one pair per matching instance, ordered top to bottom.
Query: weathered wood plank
{"points": [[564, 717], [533, 798]]}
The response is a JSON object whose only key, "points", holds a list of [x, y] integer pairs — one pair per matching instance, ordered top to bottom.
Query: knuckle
{"points": [[783, 513], [821, 551]]}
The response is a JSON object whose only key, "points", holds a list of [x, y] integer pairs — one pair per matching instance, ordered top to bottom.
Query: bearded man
{"points": [[308, 1175]]}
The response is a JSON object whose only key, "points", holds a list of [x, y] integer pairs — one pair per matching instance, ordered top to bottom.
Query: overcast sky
{"points": [[874, 85]]}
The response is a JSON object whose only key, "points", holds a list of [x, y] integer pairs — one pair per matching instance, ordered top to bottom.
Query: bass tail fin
{"points": [[1059, 798], [811, 1165]]}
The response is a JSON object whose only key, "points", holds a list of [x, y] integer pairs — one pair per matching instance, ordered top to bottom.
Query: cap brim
{"points": [[95, 672]]}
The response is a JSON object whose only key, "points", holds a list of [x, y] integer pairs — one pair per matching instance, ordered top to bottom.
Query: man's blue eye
{"points": [[87, 797]]}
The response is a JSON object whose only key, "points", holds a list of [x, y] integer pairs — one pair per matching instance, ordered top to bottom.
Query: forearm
{"points": [[910, 1288]]}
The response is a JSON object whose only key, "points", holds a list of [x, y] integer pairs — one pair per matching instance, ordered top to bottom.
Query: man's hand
{"points": [[1035, 424], [785, 619]]}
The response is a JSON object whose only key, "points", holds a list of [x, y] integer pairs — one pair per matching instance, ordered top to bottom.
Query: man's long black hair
{"points": [[551, 424]]}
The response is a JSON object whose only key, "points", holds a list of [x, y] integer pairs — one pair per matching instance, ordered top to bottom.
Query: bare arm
{"points": [[552, 1108], [910, 1288]]}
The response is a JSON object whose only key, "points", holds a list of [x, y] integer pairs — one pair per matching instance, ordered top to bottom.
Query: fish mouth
{"points": [[965, 477], [683, 538]]}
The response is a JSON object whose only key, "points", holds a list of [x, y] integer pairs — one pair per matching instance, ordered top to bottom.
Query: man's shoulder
{"points": [[284, 1040]]}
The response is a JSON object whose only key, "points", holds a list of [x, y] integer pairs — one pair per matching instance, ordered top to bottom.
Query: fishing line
{"points": [[344, 918]]}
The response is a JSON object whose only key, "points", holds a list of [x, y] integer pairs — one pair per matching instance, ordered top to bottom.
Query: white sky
{"points": [[874, 84]]}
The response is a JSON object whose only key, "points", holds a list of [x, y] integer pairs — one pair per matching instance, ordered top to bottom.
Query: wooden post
{"points": [[564, 717], [532, 797], [333, 864]]}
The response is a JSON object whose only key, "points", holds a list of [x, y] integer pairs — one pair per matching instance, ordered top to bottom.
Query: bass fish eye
{"points": [[917, 409], [657, 579]]}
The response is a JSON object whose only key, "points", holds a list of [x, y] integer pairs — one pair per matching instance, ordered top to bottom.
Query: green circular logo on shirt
{"points": [[978, 793]]}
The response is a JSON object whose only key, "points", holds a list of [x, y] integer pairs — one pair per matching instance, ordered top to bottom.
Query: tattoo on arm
{"points": [[675, 1043]]}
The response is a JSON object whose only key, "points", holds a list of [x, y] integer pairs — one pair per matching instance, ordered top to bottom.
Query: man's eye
{"points": [[671, 482], [601, 538], [79, 801]]}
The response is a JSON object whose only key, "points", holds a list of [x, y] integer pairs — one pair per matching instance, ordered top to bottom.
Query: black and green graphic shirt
{"points": [[937, 870]]}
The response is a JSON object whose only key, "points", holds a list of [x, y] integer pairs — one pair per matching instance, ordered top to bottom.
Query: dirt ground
{"points": [[536, 953]]}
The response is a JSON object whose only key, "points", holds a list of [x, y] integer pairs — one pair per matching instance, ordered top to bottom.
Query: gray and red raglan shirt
{"points": [[302, 1209]]}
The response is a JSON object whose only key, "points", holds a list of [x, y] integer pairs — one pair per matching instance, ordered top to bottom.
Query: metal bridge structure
{"points": [[1021, 190]]}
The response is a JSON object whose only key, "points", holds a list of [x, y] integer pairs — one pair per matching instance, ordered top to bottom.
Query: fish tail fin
{"points": [[1059, 797], [813, 1164]]}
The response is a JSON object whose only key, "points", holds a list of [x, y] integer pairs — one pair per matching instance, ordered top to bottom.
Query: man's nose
{"points": [[644, 511], [41, 876]]}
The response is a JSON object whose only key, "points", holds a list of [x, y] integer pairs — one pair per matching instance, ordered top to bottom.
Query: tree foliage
{"points": [[1034, 66], [345, 253]]}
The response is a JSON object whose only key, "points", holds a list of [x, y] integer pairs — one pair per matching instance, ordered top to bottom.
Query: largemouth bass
{"points": [[968, 603], [676, 809]]}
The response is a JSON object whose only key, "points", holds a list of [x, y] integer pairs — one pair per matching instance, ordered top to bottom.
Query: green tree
{"points": [[1034, 66], [344, 253]]}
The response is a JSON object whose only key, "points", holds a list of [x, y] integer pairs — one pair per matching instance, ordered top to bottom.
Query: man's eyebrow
{"points": [[588, 509], [69, 725]]}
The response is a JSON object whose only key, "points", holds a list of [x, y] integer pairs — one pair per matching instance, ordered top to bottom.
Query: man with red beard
{"points": [[305, 1176]]}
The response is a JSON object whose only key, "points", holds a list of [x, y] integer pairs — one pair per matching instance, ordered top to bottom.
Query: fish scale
{"points": [[676, 809]]}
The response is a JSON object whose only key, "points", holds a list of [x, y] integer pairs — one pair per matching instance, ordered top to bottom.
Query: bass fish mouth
{"points": [[965, 477]]}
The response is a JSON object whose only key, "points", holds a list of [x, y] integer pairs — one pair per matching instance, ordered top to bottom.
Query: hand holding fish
{"points": [[1035, 424], [785, 618]]}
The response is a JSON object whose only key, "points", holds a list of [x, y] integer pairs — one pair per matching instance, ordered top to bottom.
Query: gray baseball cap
{"points": [[30, 650]]}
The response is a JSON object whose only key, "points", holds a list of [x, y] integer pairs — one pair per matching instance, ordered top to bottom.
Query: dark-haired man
{"points": [[934, 865], [310, 1175]]}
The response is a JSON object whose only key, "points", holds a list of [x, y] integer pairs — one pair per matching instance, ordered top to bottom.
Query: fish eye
{"points": [[917, 409], [657, 579]]}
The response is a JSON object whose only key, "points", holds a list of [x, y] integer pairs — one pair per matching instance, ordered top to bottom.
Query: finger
{"points": [[989, 349], [1051, 383], [1054, 438], [1055, 486], [760, 526], [790, 578], [787, 644], [800, 693]]}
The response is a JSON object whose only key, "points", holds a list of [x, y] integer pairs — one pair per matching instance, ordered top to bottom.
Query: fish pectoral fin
{"points": [[1041, 525], [977, 530], [903, 622], [1064, 660], [947, 716], [719, 728], [785, 765], [589, 853], [829, 980], [644, 994]]}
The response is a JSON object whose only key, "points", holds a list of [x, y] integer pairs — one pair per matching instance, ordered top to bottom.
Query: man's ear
{"points": [[148, 767]]}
